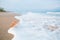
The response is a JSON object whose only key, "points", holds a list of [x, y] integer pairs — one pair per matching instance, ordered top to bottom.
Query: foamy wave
{"points": [[53, 13], [34, 26]]}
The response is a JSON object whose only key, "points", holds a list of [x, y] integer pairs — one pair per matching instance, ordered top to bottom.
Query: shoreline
{"points": [[7, 21]]}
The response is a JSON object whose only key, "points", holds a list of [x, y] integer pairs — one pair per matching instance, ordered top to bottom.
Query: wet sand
{"points": [[7, 21]]}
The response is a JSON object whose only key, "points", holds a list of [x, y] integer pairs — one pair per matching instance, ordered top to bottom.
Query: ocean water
{"points": [[36, 26]]}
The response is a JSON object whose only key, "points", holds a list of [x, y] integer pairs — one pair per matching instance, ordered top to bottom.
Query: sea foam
{"points": [[34, 26]]}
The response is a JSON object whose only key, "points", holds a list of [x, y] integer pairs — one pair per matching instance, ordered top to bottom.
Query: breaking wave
{"points": [[37, 26]]}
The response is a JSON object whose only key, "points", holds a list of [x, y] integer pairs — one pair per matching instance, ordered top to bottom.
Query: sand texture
{"points": [[7, 21]]}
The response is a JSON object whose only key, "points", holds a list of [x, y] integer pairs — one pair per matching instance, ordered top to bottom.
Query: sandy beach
{"points": [[7, 21]]}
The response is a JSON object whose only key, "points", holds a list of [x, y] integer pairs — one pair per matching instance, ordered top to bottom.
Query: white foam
{"points": [[53, 13], [32, 27]]}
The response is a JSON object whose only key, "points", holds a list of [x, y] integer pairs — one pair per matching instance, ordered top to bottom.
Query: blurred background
{"points": [[22, 6]]}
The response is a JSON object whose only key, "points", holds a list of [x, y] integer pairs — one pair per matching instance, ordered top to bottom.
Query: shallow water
{"points": [[34, 26]]}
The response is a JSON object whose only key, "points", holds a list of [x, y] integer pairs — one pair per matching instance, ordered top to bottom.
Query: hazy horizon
{"points": [[31, 5]]}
